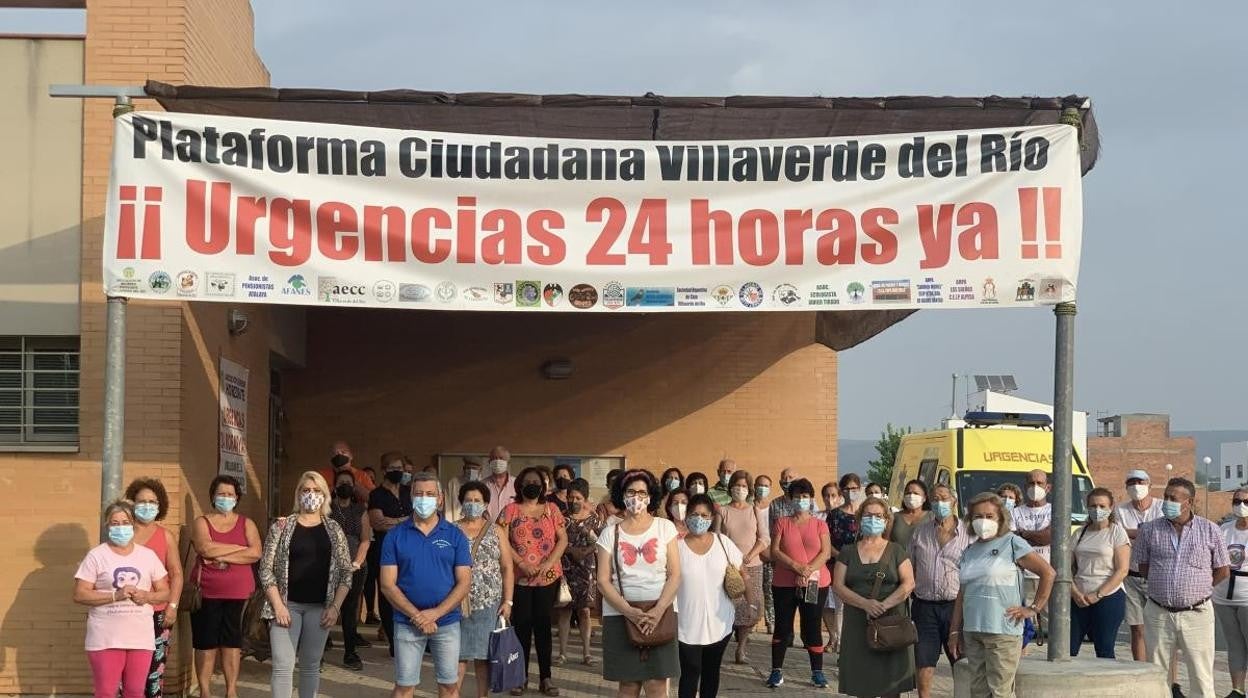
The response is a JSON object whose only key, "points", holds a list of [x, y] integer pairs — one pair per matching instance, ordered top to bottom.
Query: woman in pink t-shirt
{"points": [[800, 548], [120, 581]]}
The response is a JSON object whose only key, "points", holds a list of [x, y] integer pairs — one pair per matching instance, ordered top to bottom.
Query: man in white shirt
{"points": [[473, 466], [500, 482], [1140, 508], [1033, 521]]}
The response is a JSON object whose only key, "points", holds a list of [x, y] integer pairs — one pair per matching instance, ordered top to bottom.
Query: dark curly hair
{"points": [[541, 476], [629, 477], [225, 480], [580, 485], [474, 486], [157, 487]]}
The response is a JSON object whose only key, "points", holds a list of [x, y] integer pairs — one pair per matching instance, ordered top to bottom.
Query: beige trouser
{"points": [[1191, 631], [993, 662]]}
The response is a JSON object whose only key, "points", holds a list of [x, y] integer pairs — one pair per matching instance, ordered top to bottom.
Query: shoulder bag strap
{"points": [[476, 542], [190, 551], [619, 577]]}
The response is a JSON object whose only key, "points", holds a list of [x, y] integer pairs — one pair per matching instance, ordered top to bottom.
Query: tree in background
{"points": [[880, 469]]}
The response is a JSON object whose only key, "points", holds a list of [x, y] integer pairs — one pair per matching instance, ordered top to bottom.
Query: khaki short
{"points": [[1137, 599]]}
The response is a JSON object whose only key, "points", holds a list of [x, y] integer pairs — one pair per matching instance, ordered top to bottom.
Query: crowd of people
{"points": [[675, 568]]}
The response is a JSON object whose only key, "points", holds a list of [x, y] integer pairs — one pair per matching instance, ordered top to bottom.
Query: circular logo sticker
{"points": [[160, 282], [188, 283], [384, 291], [446, 291], [856, 292], [528, 294], [552, 294], [785, 294], [723, 295], [750, 295], [583, 296]]}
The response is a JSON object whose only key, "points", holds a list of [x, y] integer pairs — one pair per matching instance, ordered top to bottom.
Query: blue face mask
{"points": [[407, 479], [673, 484], [762, 491], [224, 504], [805, 504], [1009, 505], [424, 506], [474, 509], [942, 509], [1171, 510], [147, 511], [698, 525], [872, 526], [121, 535]]}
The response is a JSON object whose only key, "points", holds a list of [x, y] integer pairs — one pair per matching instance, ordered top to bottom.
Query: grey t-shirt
{"points": [[1094, 556]]}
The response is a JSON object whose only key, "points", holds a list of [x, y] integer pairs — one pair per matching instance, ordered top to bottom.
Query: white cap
{"points": [[1137, 475]]}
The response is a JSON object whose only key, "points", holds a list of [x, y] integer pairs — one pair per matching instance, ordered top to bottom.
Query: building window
{"points": [[38, 391]]}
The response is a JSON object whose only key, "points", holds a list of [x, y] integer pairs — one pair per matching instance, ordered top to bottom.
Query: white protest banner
{"points": [[229, 209], [233, 428]]}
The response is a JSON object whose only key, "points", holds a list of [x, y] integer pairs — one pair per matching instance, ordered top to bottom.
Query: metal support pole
{"points": [[1063, 417]]}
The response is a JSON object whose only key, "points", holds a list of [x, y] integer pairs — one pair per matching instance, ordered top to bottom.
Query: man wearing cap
{"points": [[471, 472], [1140, 508]]}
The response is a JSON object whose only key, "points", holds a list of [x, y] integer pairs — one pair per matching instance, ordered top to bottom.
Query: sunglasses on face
{"points": [[1237, 502]]}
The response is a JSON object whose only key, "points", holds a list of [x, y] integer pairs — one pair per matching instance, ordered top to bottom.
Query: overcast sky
{"points": [[1161, 325]]}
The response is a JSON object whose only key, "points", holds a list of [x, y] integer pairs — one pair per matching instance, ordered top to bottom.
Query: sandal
{"points": [[561, 659], [588, 660], [549, 688], [518, 691]]}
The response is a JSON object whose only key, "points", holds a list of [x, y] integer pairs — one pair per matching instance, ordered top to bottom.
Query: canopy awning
{"points": [[649, 117]]}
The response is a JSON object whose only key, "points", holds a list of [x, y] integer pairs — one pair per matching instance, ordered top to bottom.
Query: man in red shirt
{"points": [[343, 458]]}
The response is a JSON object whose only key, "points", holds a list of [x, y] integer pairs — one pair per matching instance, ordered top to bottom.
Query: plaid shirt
{"points": [[1180, 566], [936, 567]]}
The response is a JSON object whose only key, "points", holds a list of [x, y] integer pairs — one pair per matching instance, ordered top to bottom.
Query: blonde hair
{"points": [[319, 481], [1003, 520]]}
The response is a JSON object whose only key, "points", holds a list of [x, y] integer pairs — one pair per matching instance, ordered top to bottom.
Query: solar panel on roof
{"points": [[981, 382]]}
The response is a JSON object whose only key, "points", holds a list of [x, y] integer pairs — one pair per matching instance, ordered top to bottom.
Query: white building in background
{"points": [[989, 401], [1233, 467]]}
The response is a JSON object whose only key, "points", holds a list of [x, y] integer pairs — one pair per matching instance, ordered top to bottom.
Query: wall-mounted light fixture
{"points": [[237, 322], [557, 369]]}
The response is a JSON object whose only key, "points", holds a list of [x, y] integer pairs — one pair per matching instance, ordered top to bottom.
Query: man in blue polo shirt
{"points": [[426, 568]]}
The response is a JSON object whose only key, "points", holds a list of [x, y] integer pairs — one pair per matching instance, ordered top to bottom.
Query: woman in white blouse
{"points": [[1101, 558], [704, 625]]}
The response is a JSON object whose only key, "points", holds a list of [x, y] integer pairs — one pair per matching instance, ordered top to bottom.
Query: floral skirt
{"points": [[750, 608], [156, 674]]}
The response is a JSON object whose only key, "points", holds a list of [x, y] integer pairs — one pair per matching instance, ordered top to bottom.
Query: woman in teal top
{"points": [[990, 612]]}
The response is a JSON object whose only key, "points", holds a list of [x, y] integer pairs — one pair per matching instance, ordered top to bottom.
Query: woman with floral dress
{"points": [[579, 566], [493, 583]]}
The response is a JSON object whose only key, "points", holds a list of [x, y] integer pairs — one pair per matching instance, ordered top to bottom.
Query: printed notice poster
{"points": [[233, 433]]}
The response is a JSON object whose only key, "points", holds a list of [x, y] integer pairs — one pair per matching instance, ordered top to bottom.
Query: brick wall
{"points": [[678, 390], [170, 410], [1146, 445]]}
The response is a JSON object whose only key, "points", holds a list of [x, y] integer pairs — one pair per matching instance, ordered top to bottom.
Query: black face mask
{"points": [[339, 460], [394, 476], [561, 483], [531, 490], [344, 491]]}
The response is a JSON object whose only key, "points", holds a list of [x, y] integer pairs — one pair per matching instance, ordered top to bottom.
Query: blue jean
{"points": [[1100, 621], [409, 650]]}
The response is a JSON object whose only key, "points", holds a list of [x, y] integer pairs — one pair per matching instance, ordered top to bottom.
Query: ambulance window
{"points": [[927, 470], [942, 477]]}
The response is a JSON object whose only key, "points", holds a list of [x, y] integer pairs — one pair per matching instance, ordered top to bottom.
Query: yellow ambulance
{"points": [[989, 450]]}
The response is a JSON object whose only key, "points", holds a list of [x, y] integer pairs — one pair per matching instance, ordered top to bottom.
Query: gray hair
{"points": [[423, 476], [125, 506]]}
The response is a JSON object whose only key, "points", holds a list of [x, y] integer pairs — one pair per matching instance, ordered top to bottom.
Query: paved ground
{"points": [[576, 679]]}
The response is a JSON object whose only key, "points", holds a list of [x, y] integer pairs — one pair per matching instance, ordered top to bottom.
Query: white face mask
{"points": [[498, 466], [472, 474], [697, 489], [1138, 492], [1036, 493], [739, 494], [879, 495], [856, 496], [913, 501], [836, 502], [679, 510], [1240, 510], [1098, 514], [985, 528]]}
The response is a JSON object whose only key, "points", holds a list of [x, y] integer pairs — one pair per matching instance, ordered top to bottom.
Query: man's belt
{"points": [[1133, 573], [1172, 609]]}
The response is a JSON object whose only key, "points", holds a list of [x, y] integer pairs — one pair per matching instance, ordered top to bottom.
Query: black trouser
{"points": [[372, 584], [788, 601], [350, 615], [531, 616], [699, 668]]}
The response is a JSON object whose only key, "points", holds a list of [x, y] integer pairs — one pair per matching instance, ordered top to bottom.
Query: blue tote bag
{"points": [[506, 658]]}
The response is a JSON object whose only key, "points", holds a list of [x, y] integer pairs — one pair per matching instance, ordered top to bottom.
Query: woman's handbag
{"points": [[734, 583], [192, 589], [565, 594], [664, 631], [891, 632], [505, 656]]}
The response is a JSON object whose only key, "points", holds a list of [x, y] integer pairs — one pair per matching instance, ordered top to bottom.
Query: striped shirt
{"points": [[1180, 565], [936, 566]]}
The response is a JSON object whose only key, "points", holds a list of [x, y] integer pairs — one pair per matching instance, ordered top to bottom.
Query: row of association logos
{"points": [[612, 295]]}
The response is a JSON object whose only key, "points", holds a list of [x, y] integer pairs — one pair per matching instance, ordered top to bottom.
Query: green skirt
{"points": [[621, 661]]}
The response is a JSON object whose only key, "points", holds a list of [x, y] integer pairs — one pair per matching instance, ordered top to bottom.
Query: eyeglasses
{"points": [[637, 493], [1237, 502]]}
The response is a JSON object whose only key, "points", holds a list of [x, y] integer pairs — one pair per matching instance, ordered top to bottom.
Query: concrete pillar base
{"points": [[1081, 676]]}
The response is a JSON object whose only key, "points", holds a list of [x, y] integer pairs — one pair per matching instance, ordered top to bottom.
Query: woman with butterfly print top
{"points": [[538, 537], [648, 570]]}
